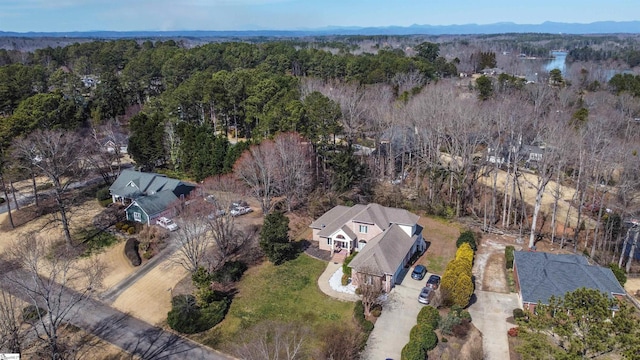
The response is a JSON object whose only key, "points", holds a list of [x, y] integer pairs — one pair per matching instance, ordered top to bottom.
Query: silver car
{"points": [[425, 295]]}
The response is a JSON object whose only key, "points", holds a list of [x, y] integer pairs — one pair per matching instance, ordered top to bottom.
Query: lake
{"points": [[558, 61]]}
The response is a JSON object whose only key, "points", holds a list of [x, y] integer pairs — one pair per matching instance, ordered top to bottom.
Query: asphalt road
{"points": [[134, 336]]}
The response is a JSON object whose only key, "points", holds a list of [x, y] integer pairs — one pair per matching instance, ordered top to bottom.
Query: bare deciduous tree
{"points": [[59, 156], [294, 176], [193, 237], [51, 278], [369, 288], [12, 331], [274, 341]]}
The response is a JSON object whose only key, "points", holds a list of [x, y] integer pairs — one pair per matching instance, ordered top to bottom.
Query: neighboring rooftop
{"points": [[542, 275]]}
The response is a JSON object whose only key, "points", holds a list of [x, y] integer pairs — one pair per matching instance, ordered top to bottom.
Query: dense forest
{"points": [[411, 113]]}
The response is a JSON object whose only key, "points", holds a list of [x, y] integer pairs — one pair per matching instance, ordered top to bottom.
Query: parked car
{"points": [[240, 210], [216, 214], [167, 224], [419, 272], [433, 282], [425, 295]]}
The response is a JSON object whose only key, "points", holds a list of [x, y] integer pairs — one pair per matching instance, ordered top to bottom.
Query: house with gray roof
{"points": [[147, 195], [385, 238], [539, 276]]}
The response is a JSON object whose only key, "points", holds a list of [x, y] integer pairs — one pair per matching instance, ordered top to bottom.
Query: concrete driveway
{"points": [[489, 314], [399, 315]]}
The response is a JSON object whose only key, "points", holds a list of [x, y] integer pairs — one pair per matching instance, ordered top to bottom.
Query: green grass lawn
{"points": [[285, 293]]}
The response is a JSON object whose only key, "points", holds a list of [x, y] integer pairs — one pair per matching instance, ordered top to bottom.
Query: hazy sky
{"points": [[123, 15]]}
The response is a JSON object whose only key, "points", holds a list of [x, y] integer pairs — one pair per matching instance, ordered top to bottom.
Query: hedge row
{"points": [[131, 251], [508, 255], [456, 281], [422, 337]]}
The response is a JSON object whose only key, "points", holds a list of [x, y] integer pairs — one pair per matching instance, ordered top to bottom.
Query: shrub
{"points": [[103, 194], [2, 200], [119, 226], [124, 227], [131, 230], [467, 237], [131, 251], [508, 255], [345, 265], [231, 271], [618, 272], [201, 277], [345, 280], [376, 312], [31, 313], [358, 313], [184, 314], [212, 314], [518, 314], [430, 316], [465, 316], [446, 325], [460, 330], [513, 332], [424, 335], [444, 340], [413, 351]]}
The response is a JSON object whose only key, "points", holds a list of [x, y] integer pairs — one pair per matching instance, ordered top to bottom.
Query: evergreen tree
{"points": [[146, 144], [274, 238]]}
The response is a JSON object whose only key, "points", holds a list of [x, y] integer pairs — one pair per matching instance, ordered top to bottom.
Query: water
{"points": [[558, 62]]}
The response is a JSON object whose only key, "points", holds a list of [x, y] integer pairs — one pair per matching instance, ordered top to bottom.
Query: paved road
{"points": [[28, 198], [489, 314], [399, 315], [128, 333]]}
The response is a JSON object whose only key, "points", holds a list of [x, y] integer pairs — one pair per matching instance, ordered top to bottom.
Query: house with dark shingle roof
{"points": [[148, 195], [385, 238], [539, 276]]}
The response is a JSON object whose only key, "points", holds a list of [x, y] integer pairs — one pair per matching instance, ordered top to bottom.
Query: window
{"points": [[137, 217], [363, 229], [329, 241]]}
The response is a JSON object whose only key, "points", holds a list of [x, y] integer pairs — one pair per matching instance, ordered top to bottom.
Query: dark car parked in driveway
{"points": [[419, 272], [433, 282]]}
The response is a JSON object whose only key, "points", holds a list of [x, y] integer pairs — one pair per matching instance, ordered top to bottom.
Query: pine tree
{"points": [[274, 238]]}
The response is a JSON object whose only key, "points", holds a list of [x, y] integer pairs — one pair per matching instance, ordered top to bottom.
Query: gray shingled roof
{"points": [[146, 184], [156, 203], [379, 215], [385, 252], [542, 275]]}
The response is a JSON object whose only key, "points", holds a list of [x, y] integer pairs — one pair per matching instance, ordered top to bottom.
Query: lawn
{"points": [[441, 236], [285, 293]]}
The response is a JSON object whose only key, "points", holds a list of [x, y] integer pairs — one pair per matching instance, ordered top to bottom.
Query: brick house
{"points": [[385, 239]]}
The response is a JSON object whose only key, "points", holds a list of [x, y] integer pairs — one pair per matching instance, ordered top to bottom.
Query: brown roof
{"points": [[379, 215], [385, 252]]}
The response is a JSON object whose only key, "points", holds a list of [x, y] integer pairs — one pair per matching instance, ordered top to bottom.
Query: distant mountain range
{"points": [[601, 27]]}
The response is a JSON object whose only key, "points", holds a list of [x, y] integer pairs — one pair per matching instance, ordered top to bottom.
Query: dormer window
{"points": [[364, 229]]}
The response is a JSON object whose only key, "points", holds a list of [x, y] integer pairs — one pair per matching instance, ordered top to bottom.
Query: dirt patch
{"points": [[495, 277], [633, 287], [467, 348]]}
